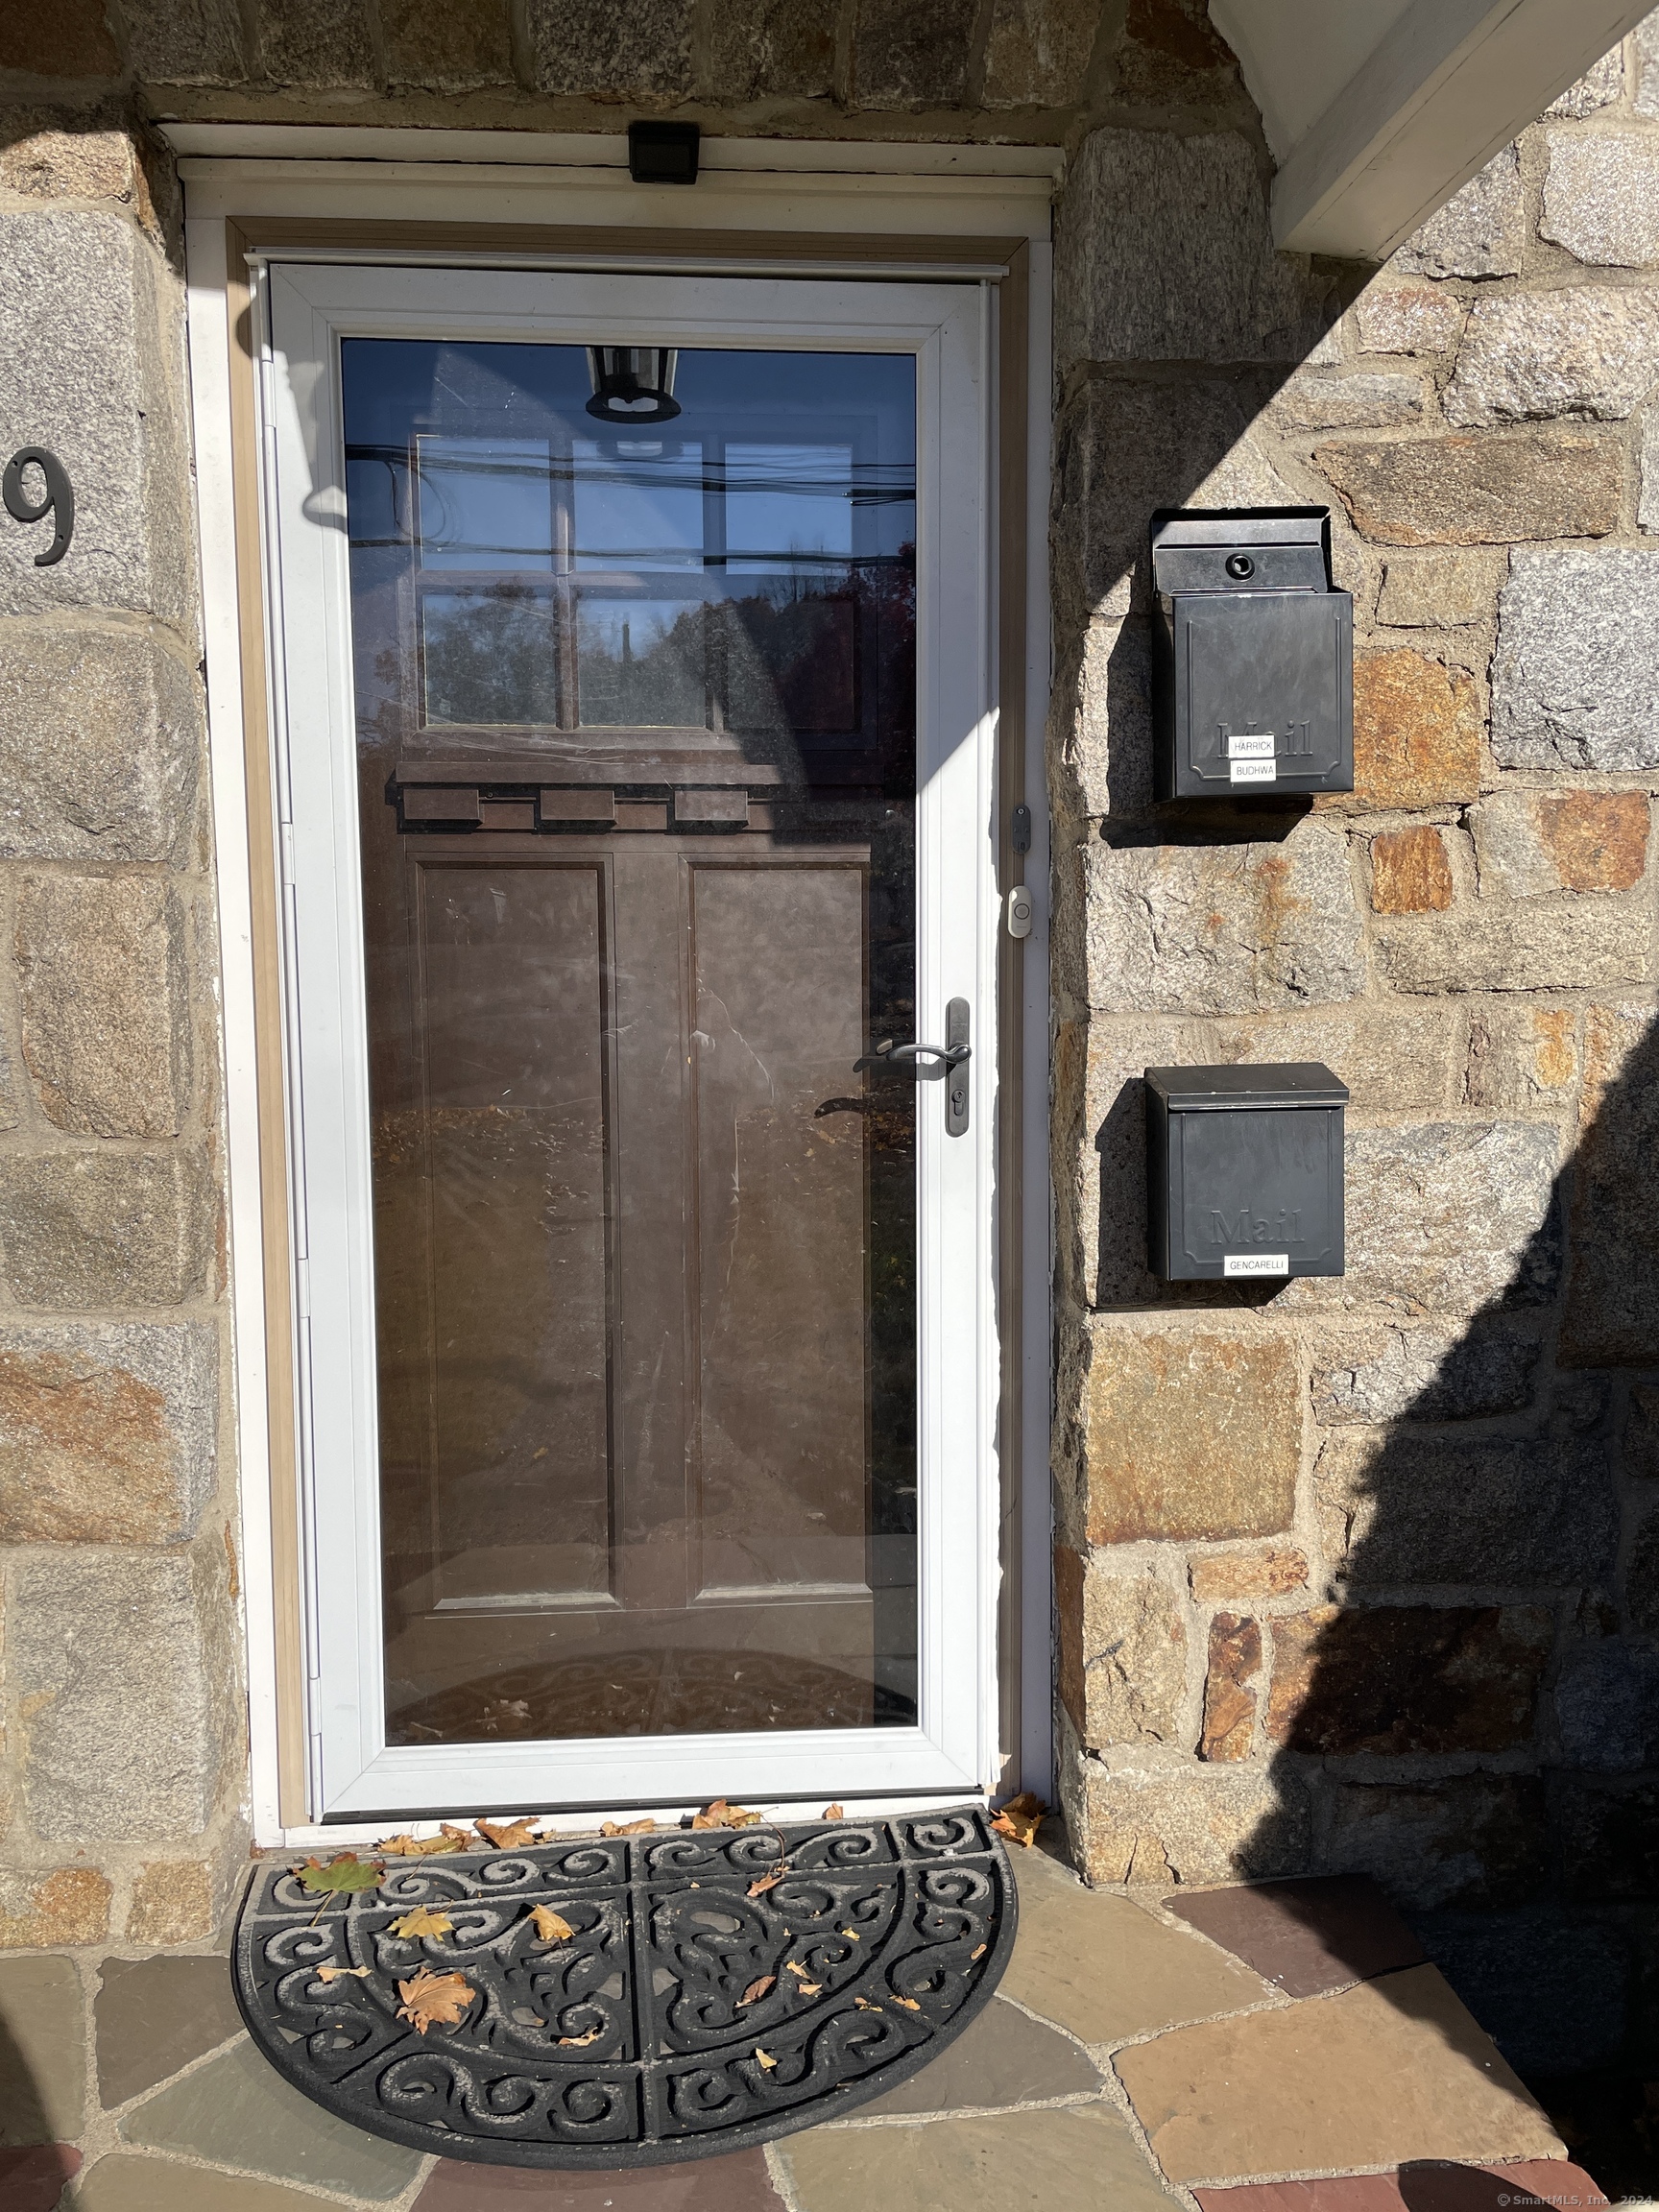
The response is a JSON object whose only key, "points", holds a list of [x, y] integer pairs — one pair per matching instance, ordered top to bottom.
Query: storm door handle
{"points": [[955, 1052]]}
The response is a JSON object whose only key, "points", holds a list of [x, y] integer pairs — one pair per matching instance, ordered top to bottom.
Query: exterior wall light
{"points": [[632, 384]]}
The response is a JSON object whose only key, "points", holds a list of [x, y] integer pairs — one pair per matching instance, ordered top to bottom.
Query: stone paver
{"points": [[1307, 1937], [1103, 1969], [155, 2016], [1003, 2058], [42, 2061], [1385, 2071], [239, 2110], [1079, 2155], [33, 2180], [738, 2182], [127, 2184], [1421, 2187]]}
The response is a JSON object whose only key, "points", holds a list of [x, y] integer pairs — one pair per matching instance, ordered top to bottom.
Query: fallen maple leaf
{"points": [[833, 1812], [720, 1815], [1021, 1818], [627, 1827], [510, 1836], [458, 1839], [413, 1846], [343, 1875], [769, 1881], [423, 1921], [550, 1926], [334, 1973], [757, 1990], [435, 1999], [577, 2042], [764, 2058]]}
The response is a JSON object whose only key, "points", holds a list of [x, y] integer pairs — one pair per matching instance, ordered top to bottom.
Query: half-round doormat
{"points": [[633, 2000]]}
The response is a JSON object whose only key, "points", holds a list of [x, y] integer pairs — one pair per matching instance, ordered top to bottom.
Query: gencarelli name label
{"points": [[1256, 1264]]}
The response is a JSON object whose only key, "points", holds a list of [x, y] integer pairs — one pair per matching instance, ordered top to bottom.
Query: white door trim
{"points": [[1021, 207]]}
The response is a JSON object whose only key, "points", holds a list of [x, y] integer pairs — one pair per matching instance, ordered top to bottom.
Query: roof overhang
{"points": [[1376, 111]]}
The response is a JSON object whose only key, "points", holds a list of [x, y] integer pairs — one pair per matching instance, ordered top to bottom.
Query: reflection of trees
{"points": [[490, 655]]}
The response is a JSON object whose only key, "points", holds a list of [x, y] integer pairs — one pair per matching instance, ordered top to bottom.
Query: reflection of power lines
{"points": [[864, 484]]}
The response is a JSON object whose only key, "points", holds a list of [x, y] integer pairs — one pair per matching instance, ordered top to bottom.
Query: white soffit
{"points": [[1376, 111]]}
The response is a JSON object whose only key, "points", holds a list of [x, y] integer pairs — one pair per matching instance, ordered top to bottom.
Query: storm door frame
{"points": [[258, 194], [308, 309]]}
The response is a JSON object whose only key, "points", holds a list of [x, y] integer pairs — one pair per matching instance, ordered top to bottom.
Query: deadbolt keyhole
{"points": [[1239, 565]]}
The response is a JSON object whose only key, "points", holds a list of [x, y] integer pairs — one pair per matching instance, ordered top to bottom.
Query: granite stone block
{"points": [[640, 53], [1601, 197], [1481, 231], [1587, 351], [1468, 490], [1575, 677], [1449, 1214], [85, 1229], [1425, 1371], [106, 1432], [1401, 1679], [113, 1750], [1458, 1839]]}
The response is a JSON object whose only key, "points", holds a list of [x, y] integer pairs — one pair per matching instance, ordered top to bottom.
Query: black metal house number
{"points": [[58, 499]]}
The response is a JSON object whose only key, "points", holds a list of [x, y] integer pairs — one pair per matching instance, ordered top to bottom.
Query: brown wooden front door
{"points": [[635, 715]]}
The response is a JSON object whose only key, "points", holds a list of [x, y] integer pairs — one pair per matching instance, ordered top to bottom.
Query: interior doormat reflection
{"points": [[633, 2000]]}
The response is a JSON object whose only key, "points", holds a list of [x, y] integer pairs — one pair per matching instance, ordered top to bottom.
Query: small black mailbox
{"points": [[1252, 654], [1244, 1171]]}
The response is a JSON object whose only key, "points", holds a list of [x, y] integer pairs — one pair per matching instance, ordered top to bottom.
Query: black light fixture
{"points": [[663, 153], [632, 384]]}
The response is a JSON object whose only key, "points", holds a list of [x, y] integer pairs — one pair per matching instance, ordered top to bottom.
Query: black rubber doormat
{"points": [[632, 2000]]}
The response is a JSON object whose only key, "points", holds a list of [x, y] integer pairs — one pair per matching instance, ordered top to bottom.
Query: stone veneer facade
{"points": [[1355, 1575]]}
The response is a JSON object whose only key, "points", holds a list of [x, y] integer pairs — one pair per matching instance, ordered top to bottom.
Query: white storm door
{"points": [[632, 684]]}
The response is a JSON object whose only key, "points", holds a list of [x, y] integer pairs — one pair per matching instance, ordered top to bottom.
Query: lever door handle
{"points": [[952, 1056]]}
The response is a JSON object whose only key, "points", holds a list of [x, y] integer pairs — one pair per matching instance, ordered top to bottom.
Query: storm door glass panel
{"points": [[635, 726]]}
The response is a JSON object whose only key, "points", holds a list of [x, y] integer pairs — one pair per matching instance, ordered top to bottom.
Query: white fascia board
{"points": [[1449, 83]]}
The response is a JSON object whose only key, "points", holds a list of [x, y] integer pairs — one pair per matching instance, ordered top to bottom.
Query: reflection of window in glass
{"points": [[486, 502], [789, 502], [640, 509], [488, 655], [641, 663]]}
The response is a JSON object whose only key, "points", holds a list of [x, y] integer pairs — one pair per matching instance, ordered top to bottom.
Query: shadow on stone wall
{"points": [[1475, 1720]]}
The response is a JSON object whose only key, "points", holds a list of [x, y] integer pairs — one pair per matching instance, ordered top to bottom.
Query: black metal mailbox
{"points": [[1253, 655], [1244, 1171]]}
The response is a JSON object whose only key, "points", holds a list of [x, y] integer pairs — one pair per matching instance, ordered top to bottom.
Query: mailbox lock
{"points": [[1239, 565]]}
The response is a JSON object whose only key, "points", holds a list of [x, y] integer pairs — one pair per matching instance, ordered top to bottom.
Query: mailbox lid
{"points": [[1289, 548], [1272, 665], [1238, 1088]]}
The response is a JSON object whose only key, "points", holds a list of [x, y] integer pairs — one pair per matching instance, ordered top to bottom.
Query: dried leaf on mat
{"points": [[833, 1812], [720, 1815], [1021, 1818], [627, 1828], [508, 1835], [414, 1846], [343, 1874], [769, 1881], [423, 1921], [552, 1927], [336, 1973], [757, 1989], [435, 2000], [910, 2004], [579, 2042], [765, 2060]]}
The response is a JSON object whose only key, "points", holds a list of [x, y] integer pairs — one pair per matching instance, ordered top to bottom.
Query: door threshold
{"points": [[588, 1820]]}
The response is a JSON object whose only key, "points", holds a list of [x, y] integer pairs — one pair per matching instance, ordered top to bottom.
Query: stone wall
{"points": [[1357, 1573], [122, 1764]]}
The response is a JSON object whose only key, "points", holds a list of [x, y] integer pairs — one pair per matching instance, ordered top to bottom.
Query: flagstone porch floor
{"points": [[1281, 2049]]}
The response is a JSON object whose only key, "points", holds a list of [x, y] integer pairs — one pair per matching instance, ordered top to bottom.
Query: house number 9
{"points": [[56, 500]]}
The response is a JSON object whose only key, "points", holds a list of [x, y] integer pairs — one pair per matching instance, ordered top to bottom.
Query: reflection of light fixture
{"points": [[633, 383]]}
